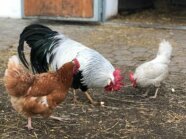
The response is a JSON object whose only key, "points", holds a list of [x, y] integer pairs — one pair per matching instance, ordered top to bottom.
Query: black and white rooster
{"points": [[50, 50]]}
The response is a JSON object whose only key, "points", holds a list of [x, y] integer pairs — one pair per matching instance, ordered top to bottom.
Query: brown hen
{"points": [[37, 94]]}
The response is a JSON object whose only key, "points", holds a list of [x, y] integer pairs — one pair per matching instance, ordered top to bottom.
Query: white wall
{"points": [[10, 8], [111, 8]]}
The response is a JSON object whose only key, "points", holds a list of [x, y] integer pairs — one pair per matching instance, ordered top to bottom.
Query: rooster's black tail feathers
{"points": [[38, 38]]}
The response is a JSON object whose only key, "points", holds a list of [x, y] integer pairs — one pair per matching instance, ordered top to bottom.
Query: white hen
{"points": [[155, 71]]}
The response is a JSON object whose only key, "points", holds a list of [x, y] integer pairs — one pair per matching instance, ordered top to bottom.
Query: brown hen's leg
{"points": [[155, 95], [90, 99], [29, 125]]}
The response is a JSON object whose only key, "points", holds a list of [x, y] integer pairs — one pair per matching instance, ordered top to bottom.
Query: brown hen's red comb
{"points": [[76, 62], [77, 66]]}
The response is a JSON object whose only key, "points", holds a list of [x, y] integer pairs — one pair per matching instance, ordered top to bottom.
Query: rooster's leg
{"points": [[146, 93], [155, 95], [75, 96], [90, 99], [29, 125]]}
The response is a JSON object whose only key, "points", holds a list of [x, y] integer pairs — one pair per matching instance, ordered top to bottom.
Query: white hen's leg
{"points": [[146, 93], [155, 95], [90, 99], [29, 125]]}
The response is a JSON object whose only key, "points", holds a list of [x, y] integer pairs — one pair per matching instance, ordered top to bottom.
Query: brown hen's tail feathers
{"points": [[13, 62], [14, 69], [17, 81]]}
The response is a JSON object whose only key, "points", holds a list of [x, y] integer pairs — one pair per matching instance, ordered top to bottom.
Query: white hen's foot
{"points": [[146, 93], [156, 93], [153, 97], [29, 125]]}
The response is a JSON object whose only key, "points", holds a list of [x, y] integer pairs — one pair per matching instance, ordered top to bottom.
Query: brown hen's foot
{"points": [[91, 100], [29, 125]]}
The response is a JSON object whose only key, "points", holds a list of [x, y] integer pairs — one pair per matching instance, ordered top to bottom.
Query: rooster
{"points": [[50, 50], [154, 71], [40, 93]]}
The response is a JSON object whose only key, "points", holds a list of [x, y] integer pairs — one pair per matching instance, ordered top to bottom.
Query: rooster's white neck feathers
{"points": [[97, 71]]}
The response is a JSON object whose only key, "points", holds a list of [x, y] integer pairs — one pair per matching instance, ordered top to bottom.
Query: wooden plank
{"points": [[42, 7], [64, 8]]}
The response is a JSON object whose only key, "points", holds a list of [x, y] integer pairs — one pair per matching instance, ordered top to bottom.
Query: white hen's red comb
{"points": [[133, 81]]}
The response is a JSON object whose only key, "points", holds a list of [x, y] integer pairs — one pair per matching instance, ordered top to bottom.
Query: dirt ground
{"points": [[126, 114]]}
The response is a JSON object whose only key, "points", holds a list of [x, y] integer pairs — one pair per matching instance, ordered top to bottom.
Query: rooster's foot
{"points": [[75, 100], [94, 103]]}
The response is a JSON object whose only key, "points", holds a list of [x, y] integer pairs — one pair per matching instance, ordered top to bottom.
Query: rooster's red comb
{"points": [[117, 79], [117, 83]]}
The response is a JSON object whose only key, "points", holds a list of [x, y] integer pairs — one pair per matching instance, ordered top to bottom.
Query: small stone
{"points": [[173, 90], [102, 103]]}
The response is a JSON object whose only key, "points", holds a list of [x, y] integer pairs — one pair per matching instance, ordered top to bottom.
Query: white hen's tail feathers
{"points": [[165, 49], [164, 52], [17, 81]]}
